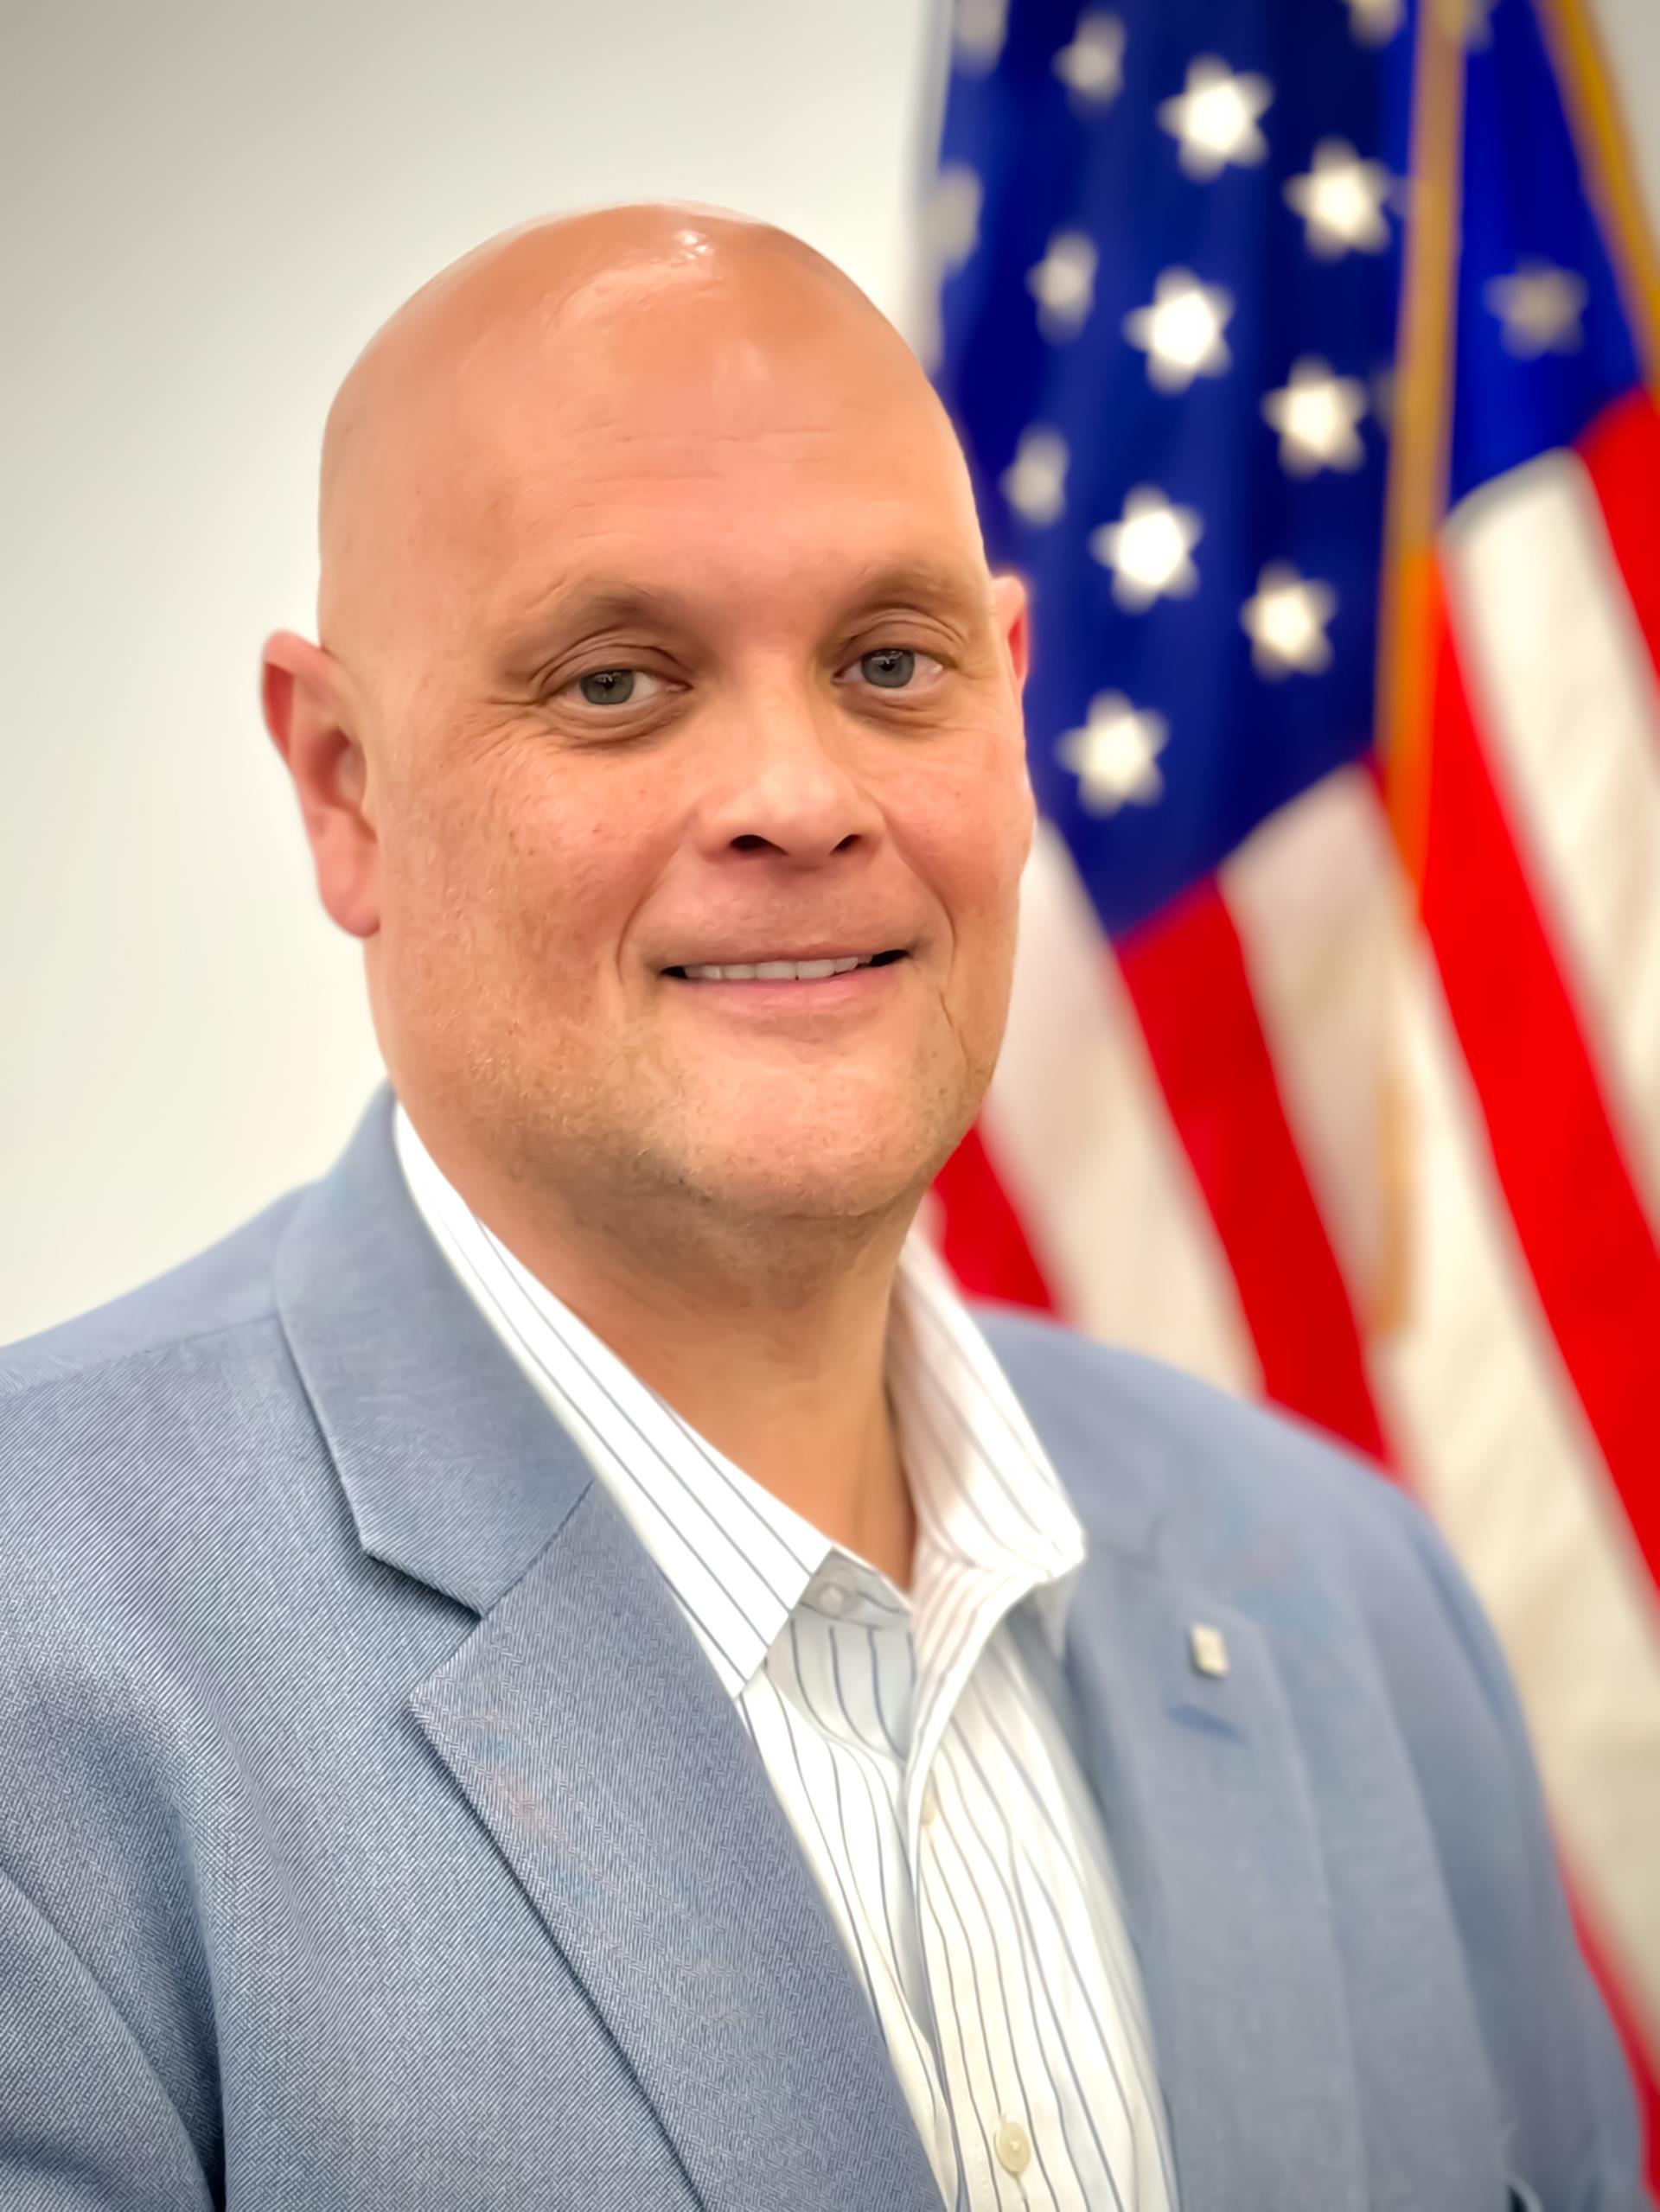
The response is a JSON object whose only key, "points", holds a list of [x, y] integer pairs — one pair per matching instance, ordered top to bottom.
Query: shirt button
{"points": [[832, 1599], [929, 1807], [1012, 2145]]}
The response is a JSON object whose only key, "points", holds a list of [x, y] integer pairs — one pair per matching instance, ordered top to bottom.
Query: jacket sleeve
{"points": [[1584, 2063], [85, 2125]]}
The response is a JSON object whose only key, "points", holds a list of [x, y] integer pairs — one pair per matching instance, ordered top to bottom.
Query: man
{"points": [[559, 1666]]}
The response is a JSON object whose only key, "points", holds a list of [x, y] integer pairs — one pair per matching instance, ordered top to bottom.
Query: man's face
{"points": [[700, 668]]}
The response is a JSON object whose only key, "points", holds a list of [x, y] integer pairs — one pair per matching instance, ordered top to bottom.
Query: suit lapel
{"points": [[586, 1727], [595, 1745], [1206, 1809], [1310, 2002]]}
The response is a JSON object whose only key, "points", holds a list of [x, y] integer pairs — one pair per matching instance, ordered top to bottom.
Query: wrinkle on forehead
{"points": [[661, 323]]}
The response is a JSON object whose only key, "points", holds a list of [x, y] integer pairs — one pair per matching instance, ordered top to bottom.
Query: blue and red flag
{"points": [[1304, 352]]}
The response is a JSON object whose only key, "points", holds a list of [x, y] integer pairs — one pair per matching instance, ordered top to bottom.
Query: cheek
{"points": [[969, 832], [520, 883]]}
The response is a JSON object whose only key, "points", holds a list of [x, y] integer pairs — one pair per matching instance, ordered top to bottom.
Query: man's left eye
{"points": [[894, 667]]}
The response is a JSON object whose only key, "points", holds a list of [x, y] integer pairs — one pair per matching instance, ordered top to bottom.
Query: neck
{"points": [[767, 1337]]}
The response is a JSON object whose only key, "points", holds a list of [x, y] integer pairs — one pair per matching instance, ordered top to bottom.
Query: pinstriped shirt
{"points": [[916, 1741]]}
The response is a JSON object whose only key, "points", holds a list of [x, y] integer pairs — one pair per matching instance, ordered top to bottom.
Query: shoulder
{"points": [[218, 1289], [1117, 1417], [110, 1420], [1243, 1497]]}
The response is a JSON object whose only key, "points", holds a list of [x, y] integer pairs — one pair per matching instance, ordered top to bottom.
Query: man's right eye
{"points": [[614, 687]]}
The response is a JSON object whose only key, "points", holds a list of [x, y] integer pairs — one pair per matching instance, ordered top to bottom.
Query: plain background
{"points": [[206, 207]]}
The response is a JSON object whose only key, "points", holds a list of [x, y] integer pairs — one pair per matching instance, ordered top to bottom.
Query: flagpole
{"points": [[1610, 173], [1410, 613]]}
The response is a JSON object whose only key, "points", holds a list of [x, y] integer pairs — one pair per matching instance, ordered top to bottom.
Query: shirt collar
{"points": [[990, 1508]]}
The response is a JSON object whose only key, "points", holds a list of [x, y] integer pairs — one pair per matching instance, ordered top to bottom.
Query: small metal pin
{"points": [[1207, 1649]]}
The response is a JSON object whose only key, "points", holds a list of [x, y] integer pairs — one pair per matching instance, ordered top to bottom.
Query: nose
{"points": [[785, 781]]}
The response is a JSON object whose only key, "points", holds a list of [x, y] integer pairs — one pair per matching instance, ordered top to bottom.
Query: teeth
{"points": [[780, 970]]}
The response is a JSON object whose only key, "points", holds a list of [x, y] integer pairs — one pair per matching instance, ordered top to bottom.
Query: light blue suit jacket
{"points": [[374, 1835]]}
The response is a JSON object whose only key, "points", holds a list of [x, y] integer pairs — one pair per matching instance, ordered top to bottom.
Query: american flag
{"points": [[1302, 349]]}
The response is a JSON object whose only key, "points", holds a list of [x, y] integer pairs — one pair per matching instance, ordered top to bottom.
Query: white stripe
{"points": [[1563, 690], [1316, 897], [1077, 1128], [1475, 1391]]}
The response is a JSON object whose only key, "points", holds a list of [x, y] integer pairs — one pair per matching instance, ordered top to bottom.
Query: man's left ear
{"points": [[1013, 606]]}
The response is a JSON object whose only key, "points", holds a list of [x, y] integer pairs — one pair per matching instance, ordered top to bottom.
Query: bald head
{"points": [[625, 322], [657, 634]]}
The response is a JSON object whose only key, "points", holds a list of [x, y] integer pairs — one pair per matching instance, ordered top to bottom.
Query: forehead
{"points": [[793, 443]]}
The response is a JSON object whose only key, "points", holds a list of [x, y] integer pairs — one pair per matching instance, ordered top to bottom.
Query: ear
{"points": [[1013, 610], [310, 725]]}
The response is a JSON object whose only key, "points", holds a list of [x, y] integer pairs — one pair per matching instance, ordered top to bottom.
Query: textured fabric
{"points": [[929, 1782], [375, 1834]]}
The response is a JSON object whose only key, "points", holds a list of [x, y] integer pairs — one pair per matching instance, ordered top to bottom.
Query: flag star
{"points": [[1469, 20], [1374, 23], [980, 30], [1092, 66], [1215, 118], [1341, 201], [951, 218], [1063, 284], [1539, 307], [1181, 332], [1316, 414], [1034, 483], [1149, 549], [1286, 622], [1116, 755]]}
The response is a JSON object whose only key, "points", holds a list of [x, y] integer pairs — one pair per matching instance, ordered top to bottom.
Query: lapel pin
{"points": [[1207, 1649]]}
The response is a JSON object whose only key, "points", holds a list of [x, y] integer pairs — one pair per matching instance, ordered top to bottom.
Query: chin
{"points": [[826, 1170]]}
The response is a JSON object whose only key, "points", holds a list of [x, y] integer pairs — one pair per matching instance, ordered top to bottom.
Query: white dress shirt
{"points": [[916, 1741]]}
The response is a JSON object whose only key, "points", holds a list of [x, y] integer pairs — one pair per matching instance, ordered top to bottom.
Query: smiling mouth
{"points": [[782, 971]]}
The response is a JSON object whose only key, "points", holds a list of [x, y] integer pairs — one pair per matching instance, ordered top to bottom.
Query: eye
{"points": [[893, 668], [614, 687]]}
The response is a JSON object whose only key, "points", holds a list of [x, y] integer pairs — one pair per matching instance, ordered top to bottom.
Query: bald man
{"points": [[560, 1666]]}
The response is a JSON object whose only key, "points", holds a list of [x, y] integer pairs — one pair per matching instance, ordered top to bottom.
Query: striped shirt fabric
{"points": [[917, 1742]]}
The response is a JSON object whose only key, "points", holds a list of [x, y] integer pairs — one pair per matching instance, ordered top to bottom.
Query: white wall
{"points": [[205, 207]]}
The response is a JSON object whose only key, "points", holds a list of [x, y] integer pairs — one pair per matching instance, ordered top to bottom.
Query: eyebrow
{"points": [[950, 592]]}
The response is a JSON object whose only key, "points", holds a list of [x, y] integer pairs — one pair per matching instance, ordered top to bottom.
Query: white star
{"points": [[1468, 20], [1374, 23], [980, 28], [1092, 68], [1216, 118], [1341, 201], [951, 218], [1063, 284], [1539, 307], [1181, 332], [1316, 414], [1034, 483], [1149, 549], [1286, 622], [1115, 756]]}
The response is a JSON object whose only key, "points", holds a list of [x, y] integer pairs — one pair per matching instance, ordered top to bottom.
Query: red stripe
{"points": [[1621, 450], [1185, 972], [1587, 1241], [984, 1245]]}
